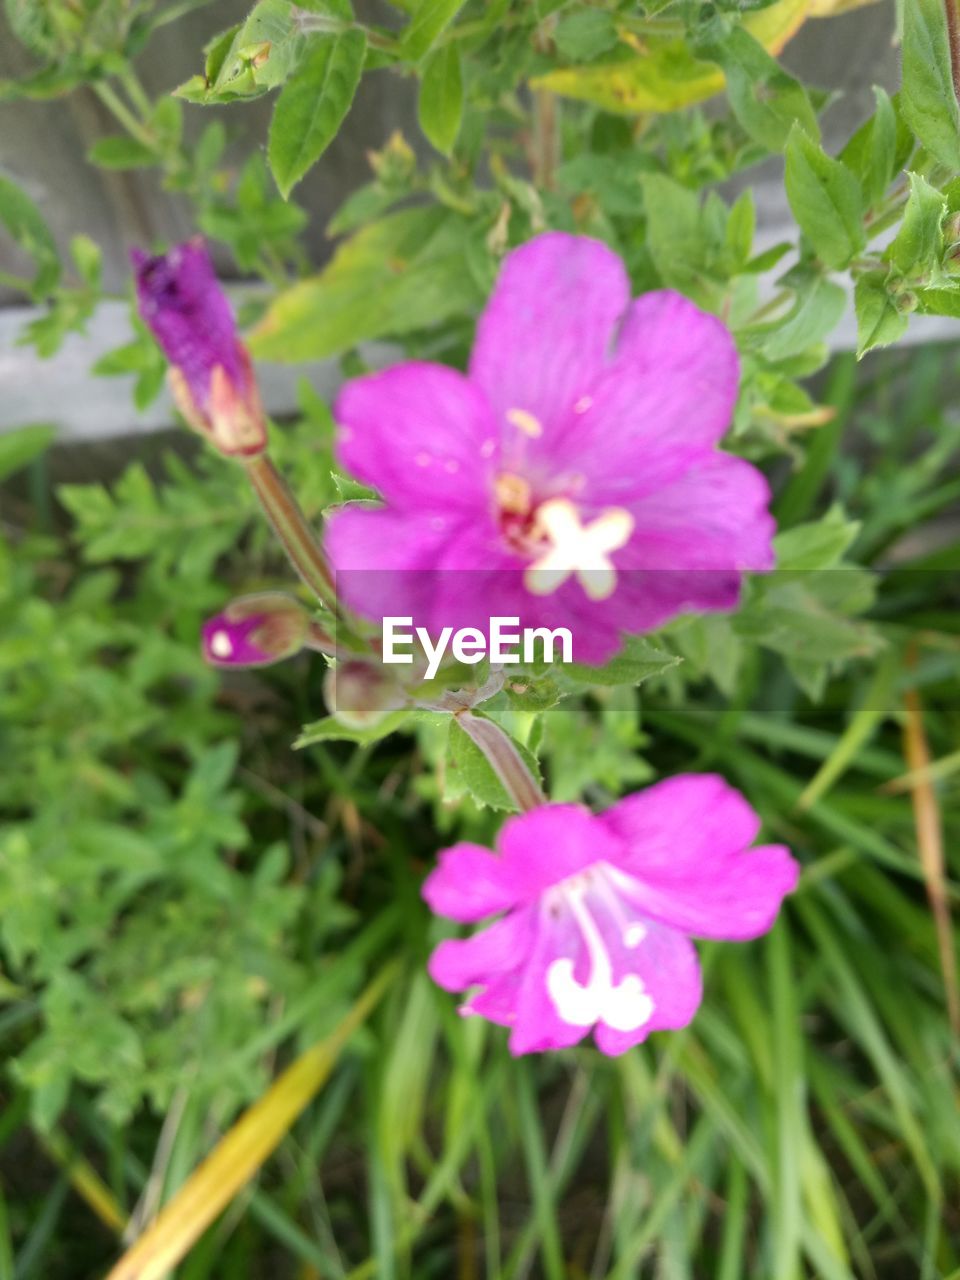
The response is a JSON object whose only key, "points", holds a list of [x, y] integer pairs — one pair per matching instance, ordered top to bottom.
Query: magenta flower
{"points": [[211, 377], [572, 472], [256, 631], [598, 912]]}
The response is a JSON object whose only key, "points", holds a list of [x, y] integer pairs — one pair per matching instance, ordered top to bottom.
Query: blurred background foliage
{"points": [[187, 903]]}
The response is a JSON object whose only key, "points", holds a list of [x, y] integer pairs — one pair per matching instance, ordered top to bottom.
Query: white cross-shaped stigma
{"points": [[578, 549]]}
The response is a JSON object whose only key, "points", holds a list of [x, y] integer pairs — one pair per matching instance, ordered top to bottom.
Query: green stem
{"points": [[122, 113], [292, 529], [505, 760]]}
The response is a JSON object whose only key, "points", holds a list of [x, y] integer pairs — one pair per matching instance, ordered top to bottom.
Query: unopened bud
{"points": [[210, 375], [256, 631], [360, 694]]}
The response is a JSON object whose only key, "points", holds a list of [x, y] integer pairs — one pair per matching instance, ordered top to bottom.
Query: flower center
{"points": [[560, 545], [623, 1005]]}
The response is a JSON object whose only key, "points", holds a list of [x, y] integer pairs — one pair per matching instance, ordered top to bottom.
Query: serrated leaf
{"points": [[430, 19], [584, 35], [667, 76], [765, 98], [929, 99], [313, 104], [440, 105], [873, 150], [121, 152], [826, 200], [26, 226], [918, 244], [405, 272], [816, 313], [878, 321], [18, 448], [819, 544], [638, 661], [330, 729], [469, 772]]}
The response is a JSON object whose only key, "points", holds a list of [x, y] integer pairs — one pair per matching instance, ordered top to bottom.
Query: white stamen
{"points": [[583, 404], [488, 448], [578, 549], [221, 646], [624, 1006]]}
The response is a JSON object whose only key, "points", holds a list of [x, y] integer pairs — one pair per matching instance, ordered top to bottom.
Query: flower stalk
{"points": [[952, 11], [293, 531], [504, 759]]}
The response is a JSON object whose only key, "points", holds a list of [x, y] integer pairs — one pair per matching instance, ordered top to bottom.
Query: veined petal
{"points": [[182, 302], [546, 332], [663, 397], [421, 434], [545, 846], [689, 864], [468, 884], [458, 963], [666, 964]]}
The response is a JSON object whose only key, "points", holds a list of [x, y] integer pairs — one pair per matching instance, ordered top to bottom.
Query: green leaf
{"points": [[431, 18], [583, 36], [441, 98], [765, 98], [929, 100], [312, 105], [873, 151], [121, 152], [826, 200], [23, 221], [673, 229], [919, 242], [406, 272], [940, 302], [816, 313], [878, 321], [17, 448], [819, 544], [638, 661], [330, 729], [469, 772]]}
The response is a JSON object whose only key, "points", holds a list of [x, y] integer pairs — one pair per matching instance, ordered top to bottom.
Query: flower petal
{"points": [[182, 302], [546, 330], [665, 398], [421, 434], [691, 542], [383, 560], [545, 846], [689, 864], [468, 884], [458, 963], [666, 963], [538, 1024]]}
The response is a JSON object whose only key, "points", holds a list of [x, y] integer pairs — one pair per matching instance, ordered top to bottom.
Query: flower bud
{"points": [[210, 375], [256, 631], [360, 694]]}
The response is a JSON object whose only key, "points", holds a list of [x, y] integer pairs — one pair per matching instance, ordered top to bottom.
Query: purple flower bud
{"points": [[210, 375], [256, 631]]}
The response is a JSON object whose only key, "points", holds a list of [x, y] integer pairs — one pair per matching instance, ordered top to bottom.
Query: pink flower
{"points": [[211, 377], [573, 472], [598, 912]]}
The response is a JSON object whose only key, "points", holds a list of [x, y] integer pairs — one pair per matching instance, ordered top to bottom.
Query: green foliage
{"points": [[313, 104], [185, 899]]}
